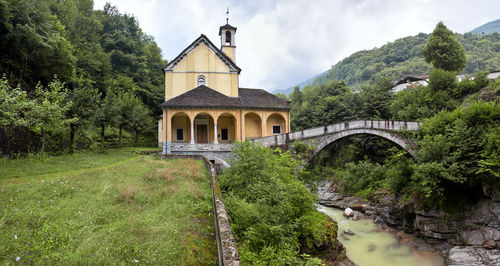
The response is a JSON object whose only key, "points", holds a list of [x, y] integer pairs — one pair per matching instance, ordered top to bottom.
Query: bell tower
{"points": [[226, 33]]}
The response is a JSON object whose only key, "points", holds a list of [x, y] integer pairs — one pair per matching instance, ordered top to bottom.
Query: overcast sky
{"points": [[280, 43]]}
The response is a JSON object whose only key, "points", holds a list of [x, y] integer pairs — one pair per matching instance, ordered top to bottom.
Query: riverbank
{"points": [[464, 238], [369, 244]]}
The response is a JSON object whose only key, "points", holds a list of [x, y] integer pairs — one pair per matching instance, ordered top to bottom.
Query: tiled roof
{"points": [[204, 96], [261, 99]]}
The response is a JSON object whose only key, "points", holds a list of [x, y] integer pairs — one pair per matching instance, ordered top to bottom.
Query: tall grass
{"points": [[126, 209]]}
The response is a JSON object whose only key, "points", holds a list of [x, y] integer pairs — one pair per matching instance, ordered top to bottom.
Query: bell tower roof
{"points": [[226, 27]]}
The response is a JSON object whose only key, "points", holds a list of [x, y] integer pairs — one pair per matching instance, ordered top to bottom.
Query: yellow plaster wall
{"points": [[230, 52], [200, 61], [275, 119], [180, 121], [229, 123], [253, 126]]}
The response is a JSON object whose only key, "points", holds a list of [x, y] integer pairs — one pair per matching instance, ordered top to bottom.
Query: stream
{"points": [[369, 246]]}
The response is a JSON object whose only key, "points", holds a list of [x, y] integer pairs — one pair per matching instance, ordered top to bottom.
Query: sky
{"points": [[280, 43]]}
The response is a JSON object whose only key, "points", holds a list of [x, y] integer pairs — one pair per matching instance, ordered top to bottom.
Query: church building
{"points": [[205, 108]]}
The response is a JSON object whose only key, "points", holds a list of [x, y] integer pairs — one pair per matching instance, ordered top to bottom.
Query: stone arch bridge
{"points": [[320, 137]]}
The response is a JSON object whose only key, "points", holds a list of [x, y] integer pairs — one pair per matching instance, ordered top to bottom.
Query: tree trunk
{"points": [[121, 135], [102, 136], [136, 137], [71, 138], [43, 140]]}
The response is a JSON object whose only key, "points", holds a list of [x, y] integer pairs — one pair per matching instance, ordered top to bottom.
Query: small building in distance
{"points": [[410, 82], [205, 108]]}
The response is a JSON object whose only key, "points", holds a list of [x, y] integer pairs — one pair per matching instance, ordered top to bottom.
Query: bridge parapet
{"points": [[386, 125]]}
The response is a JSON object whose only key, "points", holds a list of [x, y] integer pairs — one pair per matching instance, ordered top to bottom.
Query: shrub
{"points": [[268, 206]]}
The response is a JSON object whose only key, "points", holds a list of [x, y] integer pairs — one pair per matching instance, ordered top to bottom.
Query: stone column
{"points": [[164, 133], [192, 133], [215, 134]]}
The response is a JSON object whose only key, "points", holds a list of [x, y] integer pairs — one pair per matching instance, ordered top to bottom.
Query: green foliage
{"points": [[32, 44], [443, 50], [94, 53], [442, 80], [375, 100], [323, 104], [14, 106], [452, 146], [490, 162], [362, 178], [270, 209]]}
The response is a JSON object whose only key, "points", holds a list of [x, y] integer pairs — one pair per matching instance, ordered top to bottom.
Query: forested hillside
{"points": [[404, 57], [72, 74]]}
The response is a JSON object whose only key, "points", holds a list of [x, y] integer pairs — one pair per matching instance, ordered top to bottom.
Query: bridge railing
{"points": [[388, 125]]}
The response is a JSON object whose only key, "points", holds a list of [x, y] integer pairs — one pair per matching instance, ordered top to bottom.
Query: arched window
{"points": [[228, 37], [201, 80]]}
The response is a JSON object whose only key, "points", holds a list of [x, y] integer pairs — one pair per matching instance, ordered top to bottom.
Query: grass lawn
{"points": [[115, 208]]}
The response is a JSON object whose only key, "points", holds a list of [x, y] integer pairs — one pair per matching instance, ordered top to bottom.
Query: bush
{"points": [[453, 146], [362, 178], [268, 206]]}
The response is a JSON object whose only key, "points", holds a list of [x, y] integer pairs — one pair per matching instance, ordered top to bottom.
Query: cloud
{"points": [[283, 42]]}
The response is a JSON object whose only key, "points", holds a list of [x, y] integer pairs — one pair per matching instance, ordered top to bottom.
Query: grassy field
{"points": [[114, 208]]}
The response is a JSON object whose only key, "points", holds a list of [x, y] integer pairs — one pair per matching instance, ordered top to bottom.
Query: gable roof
{"points": [[203, 39], [205, 97]]}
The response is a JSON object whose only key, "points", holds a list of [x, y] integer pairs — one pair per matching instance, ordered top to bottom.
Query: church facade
{"points": [[206, 109]]}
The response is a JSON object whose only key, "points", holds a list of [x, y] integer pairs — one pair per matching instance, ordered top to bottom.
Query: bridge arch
{"points": [[396, 138]]}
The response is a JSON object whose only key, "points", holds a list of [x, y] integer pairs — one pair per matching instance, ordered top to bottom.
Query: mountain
{"points": [[488, 28], [403, 57], [302, 84]]}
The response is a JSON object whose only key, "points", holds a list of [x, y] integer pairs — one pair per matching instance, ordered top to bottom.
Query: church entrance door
{"points": [[201, 133]]}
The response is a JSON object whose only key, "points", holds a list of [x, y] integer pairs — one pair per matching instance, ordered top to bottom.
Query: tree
{"points": [[32, 44], [443, 50], [376, 99], [86, 100], [126, 103], [107, 113], [48, 114], [140, 119]]}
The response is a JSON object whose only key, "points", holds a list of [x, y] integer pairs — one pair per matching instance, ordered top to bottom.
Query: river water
{"points": [[369, 246]]}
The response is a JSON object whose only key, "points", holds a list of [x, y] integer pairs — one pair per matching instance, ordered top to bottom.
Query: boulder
{"points": [[491, 189], [348, 212], [358, 215], [348, 232], [473, 237], [490, 243], [468, 255]]}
